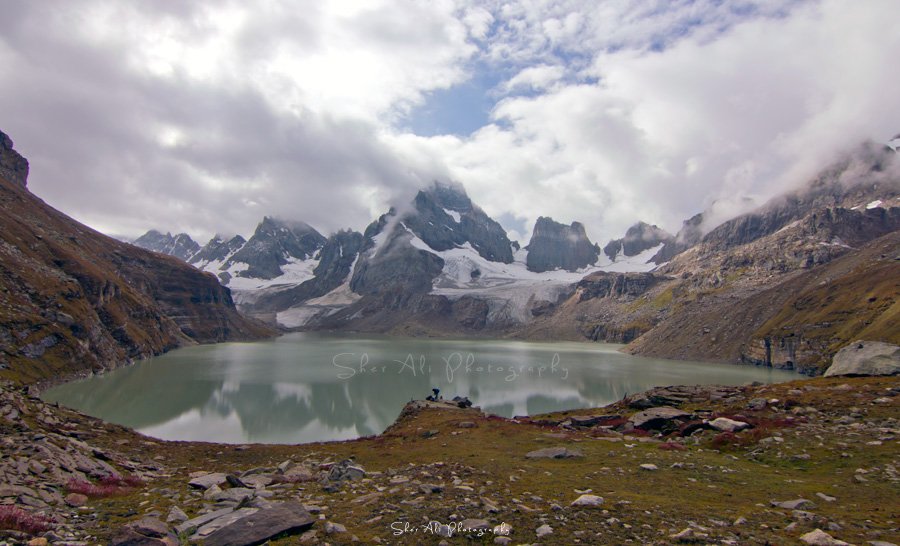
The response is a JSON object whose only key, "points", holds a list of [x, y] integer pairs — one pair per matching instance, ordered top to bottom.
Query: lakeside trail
{"points": [[819, 459]]}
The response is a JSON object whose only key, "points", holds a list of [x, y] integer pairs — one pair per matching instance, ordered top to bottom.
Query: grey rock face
{"points": [[13, 167], [445, 218], [689, 235], [638, 238], [273, 243], [181, 245], [558, 246], [396, 265], [866, 358]]}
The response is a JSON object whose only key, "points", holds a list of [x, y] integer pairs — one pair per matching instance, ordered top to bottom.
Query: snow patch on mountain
{"points": [[457, 217], [639, 263], [296, 271]]}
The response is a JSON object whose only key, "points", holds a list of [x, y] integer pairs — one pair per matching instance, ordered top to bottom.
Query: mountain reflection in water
{"points": [[309, 387]]}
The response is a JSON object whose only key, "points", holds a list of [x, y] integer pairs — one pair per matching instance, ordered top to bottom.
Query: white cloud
{"points": [[539, 77], [203, 117], [662, 135]]}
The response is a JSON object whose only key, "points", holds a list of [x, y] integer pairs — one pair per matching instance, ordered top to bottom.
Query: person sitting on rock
{"points": [[434, 397]]}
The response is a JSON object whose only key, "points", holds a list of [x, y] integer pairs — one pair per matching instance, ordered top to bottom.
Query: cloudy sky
{"points": [[204, 116]]}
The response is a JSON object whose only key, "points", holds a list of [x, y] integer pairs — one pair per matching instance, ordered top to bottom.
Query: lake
{"points": [[305, 387]]}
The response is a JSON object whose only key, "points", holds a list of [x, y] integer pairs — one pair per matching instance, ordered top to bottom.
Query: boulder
{"points": [[866, 358], [655, 418], [208, 480], [588, 500], [281, 519]]}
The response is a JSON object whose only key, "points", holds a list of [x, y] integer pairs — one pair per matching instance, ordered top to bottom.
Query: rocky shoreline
{"points": [[777, 464]]}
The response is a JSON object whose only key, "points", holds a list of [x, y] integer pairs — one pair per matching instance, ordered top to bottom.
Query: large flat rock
{"points": [[655, 417], [287, 517]]}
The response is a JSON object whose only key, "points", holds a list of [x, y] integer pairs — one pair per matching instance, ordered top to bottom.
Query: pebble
{"points": [[649, 466]]}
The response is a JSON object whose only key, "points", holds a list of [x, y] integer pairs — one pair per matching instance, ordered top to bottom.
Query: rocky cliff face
{"points": [[13, 167], [689, 235], [638, 238], [273, 244], [180, 245], [558, 246], [394, 264], [72, 299]]}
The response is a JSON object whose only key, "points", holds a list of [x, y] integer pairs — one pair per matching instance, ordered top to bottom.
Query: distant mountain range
{"points": [[445, 244], [444, 267], [786, 285]]}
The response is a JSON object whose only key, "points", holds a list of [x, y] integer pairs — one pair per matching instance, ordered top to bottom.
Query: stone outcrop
{"points": [[13, 167], [558, 246], [615, 285], [866, 358]]}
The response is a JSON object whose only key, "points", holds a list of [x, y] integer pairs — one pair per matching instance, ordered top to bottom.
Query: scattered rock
{"points": [[757, 404], [728, 425], [554, 453], [649, 467], [346, 470], [208, 480], [76, 499], [797, 504], [469, 525], [334, 528], [543, 531], [686, 535], [819, 537]]}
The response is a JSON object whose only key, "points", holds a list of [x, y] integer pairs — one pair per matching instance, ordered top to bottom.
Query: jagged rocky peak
{"points": [[13, 166], [446, 218], [639, 237], [274, 244], [181, 245], [558, 246], [218, 249]]}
